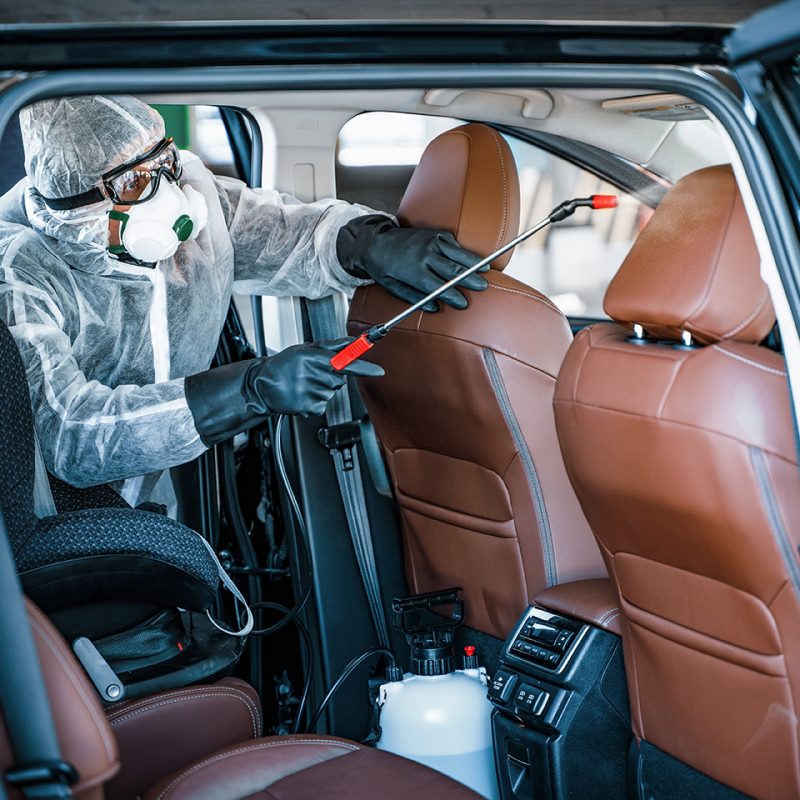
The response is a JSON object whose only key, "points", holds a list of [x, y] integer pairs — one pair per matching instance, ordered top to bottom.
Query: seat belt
{"points": [[325, 324], [39, 772]]}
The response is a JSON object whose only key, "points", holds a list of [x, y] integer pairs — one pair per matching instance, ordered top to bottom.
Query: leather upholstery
{"points": [[466, 183], [692, 267], [464, 411], [684, 462], [594, 601], [178, 730], [83, 734], [158, 734], [303, 767]]}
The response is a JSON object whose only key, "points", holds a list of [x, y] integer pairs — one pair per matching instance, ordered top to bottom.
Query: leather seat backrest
{"points": [[464, 411], [683, 459], [83, 732]]}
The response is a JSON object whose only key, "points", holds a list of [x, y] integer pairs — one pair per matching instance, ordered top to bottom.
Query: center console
{"points": [[561, 722]]}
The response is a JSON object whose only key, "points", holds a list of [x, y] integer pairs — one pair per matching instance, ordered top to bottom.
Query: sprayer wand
{"points": [[369, 338]]}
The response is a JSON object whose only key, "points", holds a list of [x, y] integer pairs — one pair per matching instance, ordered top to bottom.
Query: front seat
{"points": [[464, 412], [679, 441], [284, 768]]}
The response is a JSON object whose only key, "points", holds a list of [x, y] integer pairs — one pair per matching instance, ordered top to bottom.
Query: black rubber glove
{"points": [[408, 262], [299, 380]]}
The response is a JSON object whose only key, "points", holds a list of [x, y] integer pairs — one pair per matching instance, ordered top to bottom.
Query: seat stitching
{"points": [[495, 137], [527, 294], [742, 325], [748, 361], [605, 614], [610, 619], [71, 674], [185, 693], [151, 707], [124, 708], [252, 747]]}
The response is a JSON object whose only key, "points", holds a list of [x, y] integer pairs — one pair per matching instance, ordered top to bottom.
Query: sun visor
{"points": [[666, 107]]}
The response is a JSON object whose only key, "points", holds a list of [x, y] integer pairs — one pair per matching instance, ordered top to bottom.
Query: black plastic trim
{"points": [[769, 35], [162, 45], [631, 178]]}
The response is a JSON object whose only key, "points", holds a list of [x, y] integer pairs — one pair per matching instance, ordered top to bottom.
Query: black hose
{"points": [[302, 540], [249, 556], [306, 638], [345, 674]]}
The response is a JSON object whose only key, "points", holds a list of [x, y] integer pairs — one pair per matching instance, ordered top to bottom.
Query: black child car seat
{"points": [[137, 584]]}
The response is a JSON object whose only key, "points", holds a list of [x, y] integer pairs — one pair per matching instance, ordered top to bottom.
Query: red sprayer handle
{"points": [[352, 352]]}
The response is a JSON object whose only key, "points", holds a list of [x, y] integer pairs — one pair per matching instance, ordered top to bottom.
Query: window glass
{"points": [[388, 138], [210, 140], [572, 262]]}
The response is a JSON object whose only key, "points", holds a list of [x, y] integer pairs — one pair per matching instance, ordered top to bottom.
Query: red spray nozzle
{"points": [[604, 201]]}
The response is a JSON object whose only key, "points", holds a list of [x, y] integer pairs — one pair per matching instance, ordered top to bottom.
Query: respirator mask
{"points": [[153, 230]]}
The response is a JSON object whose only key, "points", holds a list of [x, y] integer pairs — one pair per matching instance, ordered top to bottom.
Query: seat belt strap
{"points": [[325, 324], [39, 771]]}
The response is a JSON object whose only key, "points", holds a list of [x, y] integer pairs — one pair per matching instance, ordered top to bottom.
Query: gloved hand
{"points": [[408, 262], [299, 380]]}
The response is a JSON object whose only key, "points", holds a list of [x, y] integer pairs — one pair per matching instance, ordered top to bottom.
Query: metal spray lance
{"points": [[368, 339]]}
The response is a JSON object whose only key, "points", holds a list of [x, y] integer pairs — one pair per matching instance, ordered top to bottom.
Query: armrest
{"points": [[593, 601]]}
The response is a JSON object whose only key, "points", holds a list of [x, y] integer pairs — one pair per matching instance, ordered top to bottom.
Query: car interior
{"points": [[599, 454]]}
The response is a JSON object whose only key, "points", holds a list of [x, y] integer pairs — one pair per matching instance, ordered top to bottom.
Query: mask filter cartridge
{"points": [[153, 230]]}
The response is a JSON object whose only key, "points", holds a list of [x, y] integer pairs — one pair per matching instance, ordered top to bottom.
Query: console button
{"points": [[563, 639], [502, 685], [529, 700]]}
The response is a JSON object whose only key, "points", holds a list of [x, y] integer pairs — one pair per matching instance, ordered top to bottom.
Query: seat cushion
{"points": [[115, 554], [158, 734], [304, 767]]}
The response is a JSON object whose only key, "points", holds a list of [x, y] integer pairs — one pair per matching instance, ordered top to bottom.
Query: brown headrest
{"points": [[466, 183], [695, 267]]}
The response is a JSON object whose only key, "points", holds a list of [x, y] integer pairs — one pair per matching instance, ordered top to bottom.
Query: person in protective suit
{"points": [[119, 255]]}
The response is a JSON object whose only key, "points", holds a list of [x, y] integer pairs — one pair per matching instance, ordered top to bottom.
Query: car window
{"points": [[377, 152], [571, 262]]}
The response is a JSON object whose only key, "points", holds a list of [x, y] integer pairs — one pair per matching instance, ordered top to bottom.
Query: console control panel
{"points": [[544, 639]]}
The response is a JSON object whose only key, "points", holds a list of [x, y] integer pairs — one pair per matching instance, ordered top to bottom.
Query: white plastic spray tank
{"points": [[437, 714]]}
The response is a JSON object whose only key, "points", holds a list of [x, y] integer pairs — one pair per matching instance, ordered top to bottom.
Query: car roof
{"points": [[728, 13]]}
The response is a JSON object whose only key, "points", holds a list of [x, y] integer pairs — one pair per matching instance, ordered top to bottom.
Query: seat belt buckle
{"points": [[342, 438], [38, 774]]}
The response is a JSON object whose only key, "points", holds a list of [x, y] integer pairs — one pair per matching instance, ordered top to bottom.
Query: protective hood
{"points": [[70, 142]]}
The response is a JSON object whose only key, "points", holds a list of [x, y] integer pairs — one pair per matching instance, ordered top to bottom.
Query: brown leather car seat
{"points": [[464, 412], [683, 458], [285, 767]]}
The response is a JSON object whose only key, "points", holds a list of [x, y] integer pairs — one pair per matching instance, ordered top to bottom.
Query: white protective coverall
{"points": [[106, 345]]}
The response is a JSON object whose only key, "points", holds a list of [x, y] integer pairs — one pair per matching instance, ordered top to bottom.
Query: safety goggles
{"points": [[130, 183]]}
